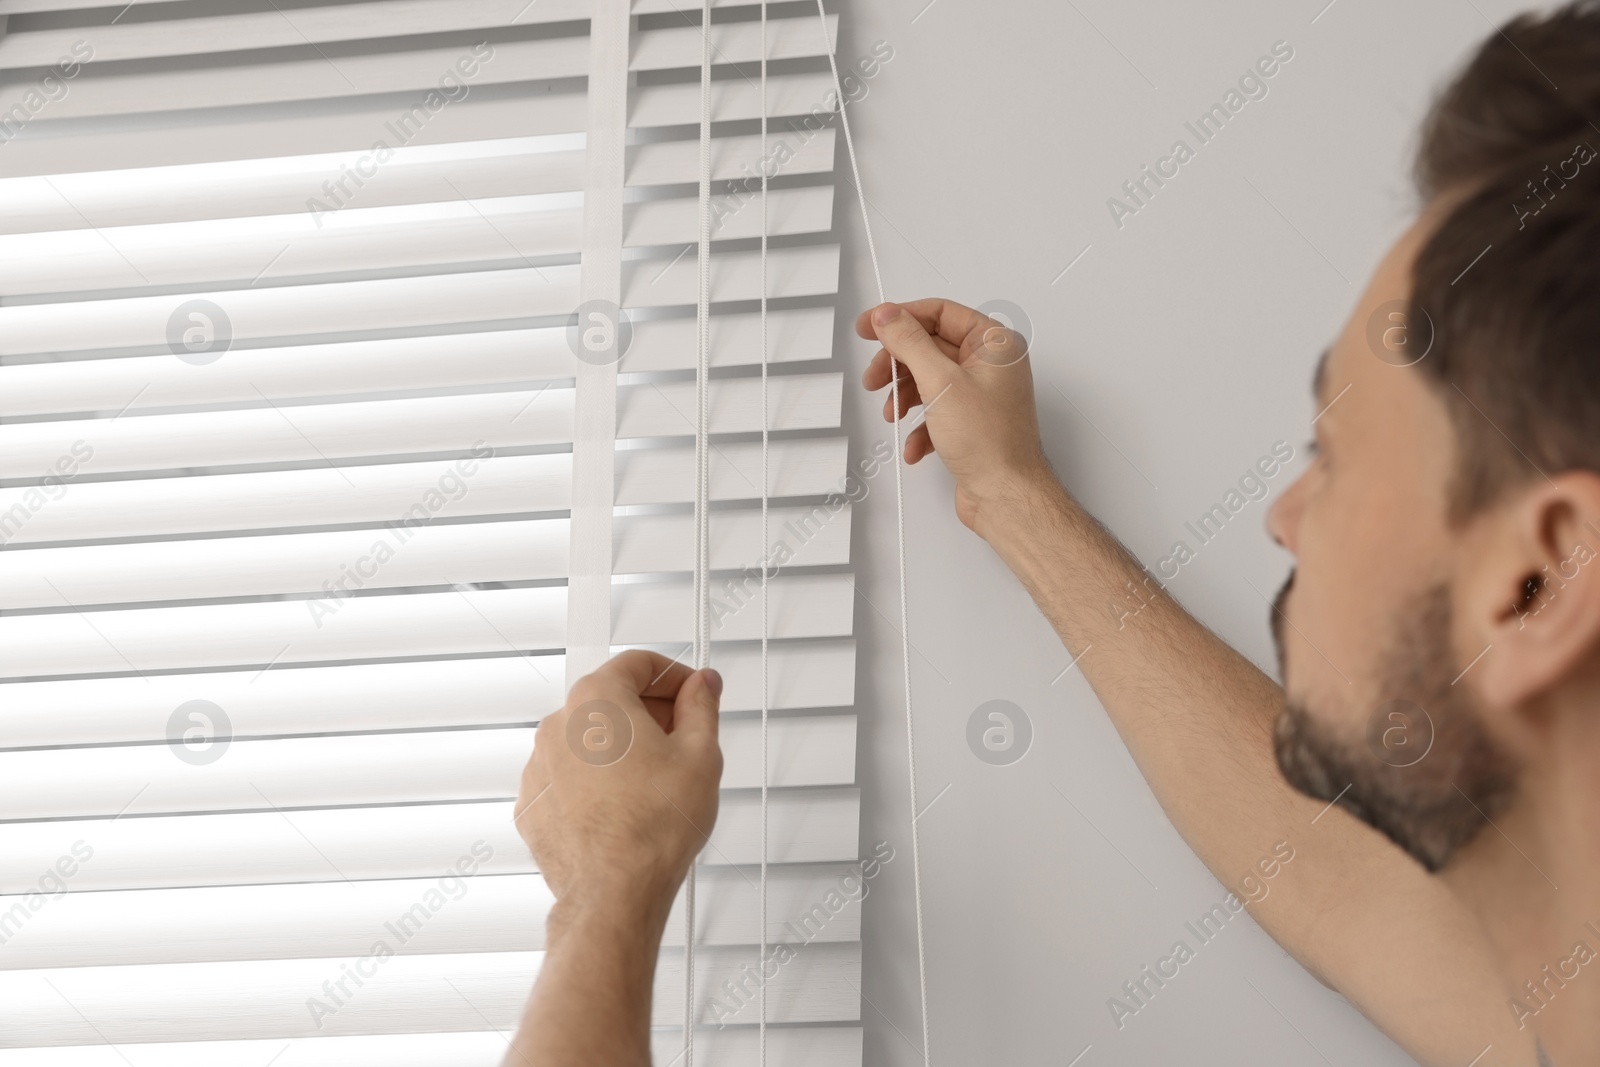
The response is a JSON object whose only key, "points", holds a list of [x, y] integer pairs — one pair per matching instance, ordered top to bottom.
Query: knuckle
{"points": [[547, 739]]}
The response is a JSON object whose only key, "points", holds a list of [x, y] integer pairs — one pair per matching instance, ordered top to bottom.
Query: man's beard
{"points": [[1429, 798]]}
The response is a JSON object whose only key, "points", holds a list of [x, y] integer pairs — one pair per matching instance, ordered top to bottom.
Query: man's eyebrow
{"points": [[1319, 378]]}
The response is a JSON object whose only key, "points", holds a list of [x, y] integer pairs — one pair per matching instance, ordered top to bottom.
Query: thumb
{"points": [[905, 339], [695, 712]]}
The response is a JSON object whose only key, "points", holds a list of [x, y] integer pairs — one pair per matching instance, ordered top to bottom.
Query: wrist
{"points": [[1016, 503], [625, 910]]}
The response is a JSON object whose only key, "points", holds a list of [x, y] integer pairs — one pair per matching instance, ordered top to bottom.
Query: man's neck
{"points": [[1533, 878]]}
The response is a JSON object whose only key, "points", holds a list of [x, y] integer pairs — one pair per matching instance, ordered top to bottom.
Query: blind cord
{"points": [[761, 161], [900, 535], [702, 568]]}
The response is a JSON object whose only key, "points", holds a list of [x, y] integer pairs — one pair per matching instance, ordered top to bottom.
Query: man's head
{"points": [[1444, 619]]}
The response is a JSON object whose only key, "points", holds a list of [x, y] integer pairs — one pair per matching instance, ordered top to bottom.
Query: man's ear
{"points": [[1534, 596]]}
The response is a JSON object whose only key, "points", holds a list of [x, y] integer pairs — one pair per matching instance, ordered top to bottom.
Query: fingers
{"points": [[943, 319], [946, 319], [864, 328], [908, 341], [876, 376], [909, 397], [919, 443], [636, 672], [632, 679], [679, 700], [660, 709], [695, 713]]}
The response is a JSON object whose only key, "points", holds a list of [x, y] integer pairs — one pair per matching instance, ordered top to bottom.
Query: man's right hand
{"points": [[974, 379]]}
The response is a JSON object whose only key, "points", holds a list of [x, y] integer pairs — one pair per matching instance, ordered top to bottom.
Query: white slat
{"points": [[14, 7], [638, 7], [270, 29], [733, 42], [317, 76], [95, 92], [675, 104], [294, 131], [676, 162], [414, 174], [237, 188], [808, 209], [218, 251], [215, 252], [806, 271], [398, 303], [279, 311], [792, 335], [443, 361], [400, 364], [794, 402], [303, 433], [308, 433], [665, 474], [362, 493], [374, 493], [813, 537], [422, 555], [804, 605], [383, 627], [145, 639], [818, 673], [429, 694], [364, 769], [407, 841], [469, 914], [267, 998], [802, 1046]]}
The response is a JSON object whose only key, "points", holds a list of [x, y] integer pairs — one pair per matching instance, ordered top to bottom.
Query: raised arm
{"points": [[1197, 716], [616, 802]]}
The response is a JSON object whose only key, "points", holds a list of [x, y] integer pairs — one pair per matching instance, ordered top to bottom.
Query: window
{"points": [[313, 496]]}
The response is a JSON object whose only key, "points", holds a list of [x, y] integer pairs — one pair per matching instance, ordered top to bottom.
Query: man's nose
{"points": [[1283, 517]]}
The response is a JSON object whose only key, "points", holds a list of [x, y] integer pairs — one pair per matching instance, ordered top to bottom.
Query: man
{"points": [[1439, 641]]}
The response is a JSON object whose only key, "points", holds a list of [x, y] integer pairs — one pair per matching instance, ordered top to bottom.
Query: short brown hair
{"points": [[1511, 277]]}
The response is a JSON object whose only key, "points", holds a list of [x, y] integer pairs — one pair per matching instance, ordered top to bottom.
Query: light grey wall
{"points": [[1174, 352]]}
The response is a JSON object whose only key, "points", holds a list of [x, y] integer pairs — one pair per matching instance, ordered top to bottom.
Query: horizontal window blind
{"points": [[309, 509]]}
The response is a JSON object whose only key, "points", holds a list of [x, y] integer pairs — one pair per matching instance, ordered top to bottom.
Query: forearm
{"points": [[1196, 716], [591, 1003]]}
